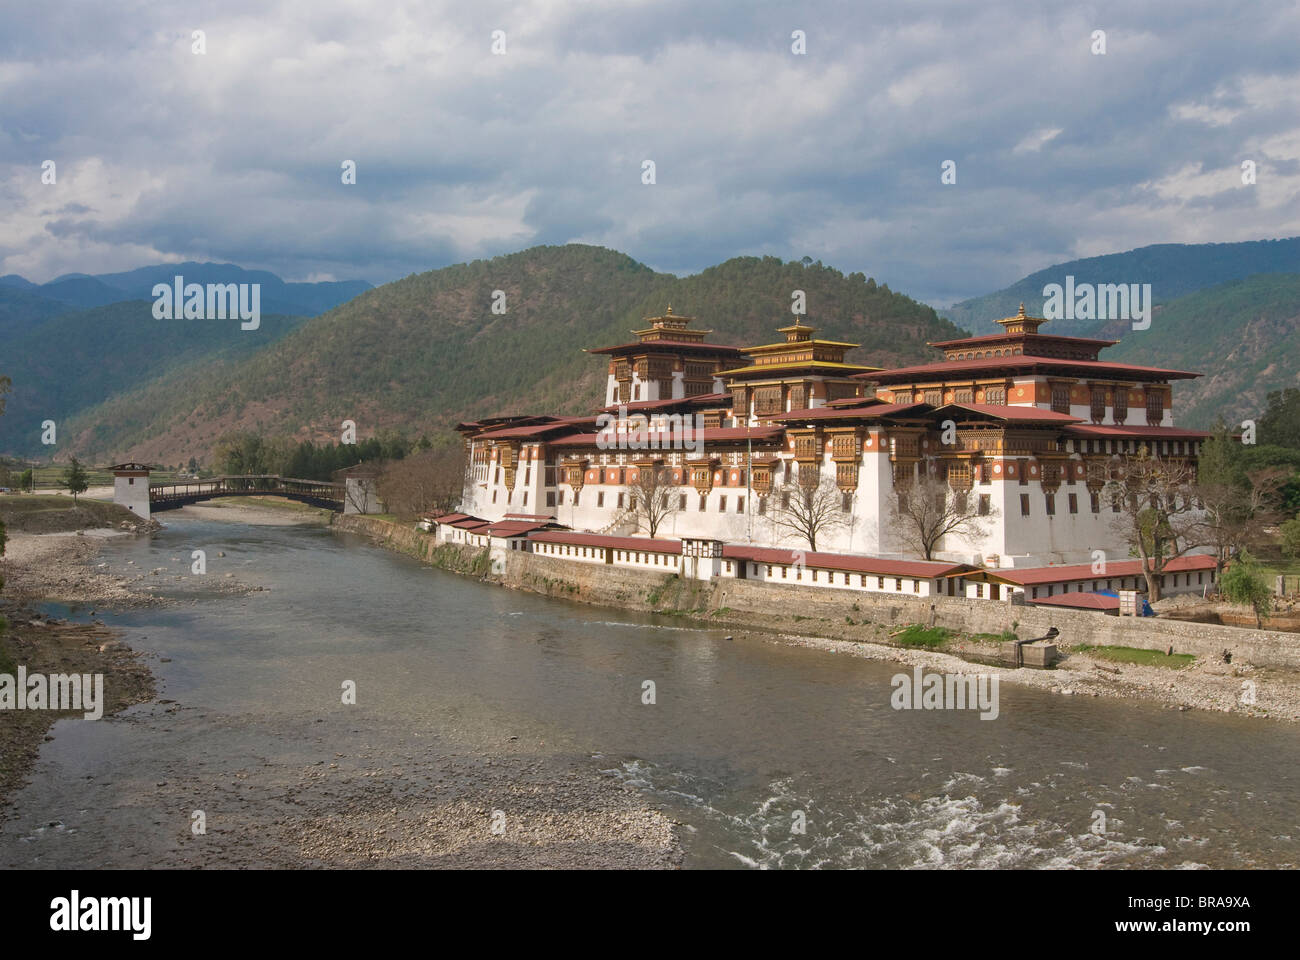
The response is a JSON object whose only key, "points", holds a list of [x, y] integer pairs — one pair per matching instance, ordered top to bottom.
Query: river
{"points": [[769, 755]]}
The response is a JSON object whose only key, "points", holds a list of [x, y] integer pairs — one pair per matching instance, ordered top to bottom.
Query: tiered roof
{"points": [[670, 333], [1023, 350], [799, 353]]}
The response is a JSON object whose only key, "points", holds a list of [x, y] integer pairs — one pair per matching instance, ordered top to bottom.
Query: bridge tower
{"points": [[131, 487]]}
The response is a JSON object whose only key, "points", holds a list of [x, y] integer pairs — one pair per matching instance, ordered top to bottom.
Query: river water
{"points": [[746, 740]]}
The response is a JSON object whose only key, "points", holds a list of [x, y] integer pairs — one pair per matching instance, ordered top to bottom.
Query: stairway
{"points": [[623, 525]]}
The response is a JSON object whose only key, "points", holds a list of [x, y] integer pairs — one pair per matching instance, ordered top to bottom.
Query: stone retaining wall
{"points": [[824, 612]]}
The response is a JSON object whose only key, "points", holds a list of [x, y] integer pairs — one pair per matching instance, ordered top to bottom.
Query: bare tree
{"points": [[432, 481], [360, 487], [654, 498], [928, 509], [809, 511], [1157, 514]]}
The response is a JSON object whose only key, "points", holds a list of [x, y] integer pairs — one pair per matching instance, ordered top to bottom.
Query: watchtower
{"points": [[131, 487]]}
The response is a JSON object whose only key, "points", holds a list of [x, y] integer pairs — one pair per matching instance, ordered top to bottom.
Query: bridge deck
{"points": [[168, 496]]}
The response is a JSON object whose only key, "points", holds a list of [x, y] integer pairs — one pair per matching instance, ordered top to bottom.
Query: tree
{"points": [[1280, 423], [241, 453], [75, 479], [26, 481], [431, 481], [653, 498], [1237, 504], [929, 509], [809, 510], [1157, 513], [1291, 538], [1246, 583]]}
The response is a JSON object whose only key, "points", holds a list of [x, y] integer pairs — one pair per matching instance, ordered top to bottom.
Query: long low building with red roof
{"points": [[1023, 428], [1070, 585]]}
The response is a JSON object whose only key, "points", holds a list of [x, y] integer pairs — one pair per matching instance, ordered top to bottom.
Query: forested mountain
{"points": [[1173, 270], [21, 310], [1243, 336], [427, 351], [68, 363]]}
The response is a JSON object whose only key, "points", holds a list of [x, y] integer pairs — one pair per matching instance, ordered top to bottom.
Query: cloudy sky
{"points": [[163, 154]]}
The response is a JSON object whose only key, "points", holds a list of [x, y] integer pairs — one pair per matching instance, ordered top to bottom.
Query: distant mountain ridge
{"points": [[1174, 270], [82, 291], [425, 351]]}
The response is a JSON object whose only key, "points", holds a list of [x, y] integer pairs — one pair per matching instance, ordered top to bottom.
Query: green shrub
{"points": [[1245, 583], [915, 635], [1137, 655]]}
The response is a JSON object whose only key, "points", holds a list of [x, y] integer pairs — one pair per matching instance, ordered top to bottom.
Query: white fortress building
{"points": [[1023, 424]]}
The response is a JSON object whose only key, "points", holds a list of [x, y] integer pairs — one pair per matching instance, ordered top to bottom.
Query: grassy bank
{"points": [[55, 514], [1134, 655]]}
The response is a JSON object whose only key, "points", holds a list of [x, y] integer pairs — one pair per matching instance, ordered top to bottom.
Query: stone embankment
{"points": [[1267, 663]]}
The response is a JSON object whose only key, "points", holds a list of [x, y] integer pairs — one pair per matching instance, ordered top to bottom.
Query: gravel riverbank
{"points": [[1202, 685], [467, 799]]}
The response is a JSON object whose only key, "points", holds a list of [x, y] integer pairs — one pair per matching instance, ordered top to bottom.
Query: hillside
{"points": [[1174, 270], [22, 310], [1243, 336], [426, 351], [73, 361]]}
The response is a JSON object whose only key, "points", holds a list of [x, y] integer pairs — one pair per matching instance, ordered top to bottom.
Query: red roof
{"points": [[1021, 338], [649, 346], [1023, 363], [699, 400], [853, 401], [881, 409], [1012, 412], [534, 430], [1144, 432], [671, 440], [529, 516], [449, 518], [469, 523], [515, 528], [643, 544], [920, 569], [1035, 576], [1083, 601]]}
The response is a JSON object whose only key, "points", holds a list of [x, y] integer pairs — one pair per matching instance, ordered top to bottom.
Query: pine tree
{"points": [[75, 479]]}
